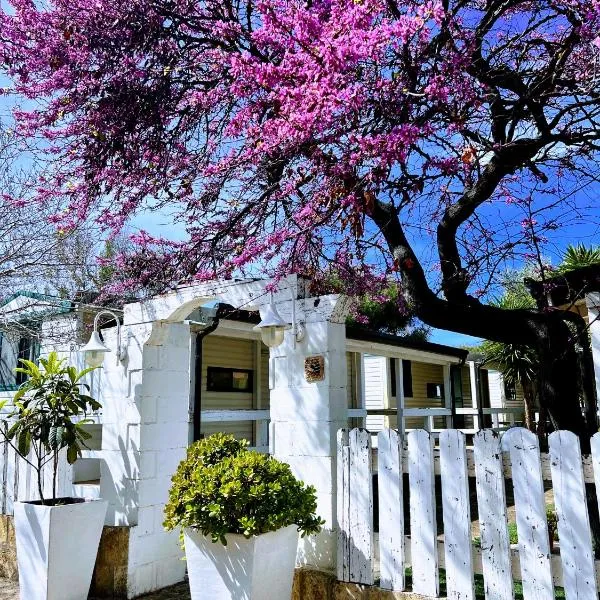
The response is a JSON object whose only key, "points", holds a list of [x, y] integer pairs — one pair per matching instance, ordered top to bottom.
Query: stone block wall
{"points": [[8, 549], [110, 573], [317, 585]]}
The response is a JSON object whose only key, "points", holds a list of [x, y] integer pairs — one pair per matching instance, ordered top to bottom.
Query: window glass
{"points": [[222, 379], [407, 383], [435, 390]]}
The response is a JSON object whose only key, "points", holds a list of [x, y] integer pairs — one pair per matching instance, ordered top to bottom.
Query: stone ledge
{"points": [[318, 585]]}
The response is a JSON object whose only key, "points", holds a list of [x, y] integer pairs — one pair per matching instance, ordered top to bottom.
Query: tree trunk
{"points": [[559, 385]]}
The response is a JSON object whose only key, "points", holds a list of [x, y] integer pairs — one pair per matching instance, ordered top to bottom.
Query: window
{"points": [[28, 350], [222, 379], [407, 385], [435, 390]]}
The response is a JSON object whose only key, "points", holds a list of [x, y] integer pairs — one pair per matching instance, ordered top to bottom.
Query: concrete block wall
{"points": [[162, 396], [305, 418]]}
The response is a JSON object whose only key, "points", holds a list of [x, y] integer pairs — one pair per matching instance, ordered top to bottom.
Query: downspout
{"points": [[196, 418]]}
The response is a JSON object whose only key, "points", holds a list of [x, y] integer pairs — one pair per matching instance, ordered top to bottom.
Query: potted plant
{"points": [[240, 513], [57, 538]]}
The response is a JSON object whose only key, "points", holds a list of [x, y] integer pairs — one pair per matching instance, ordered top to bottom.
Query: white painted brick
{"points": [[151, 358], [176, 358], [279, 372], [134, 382], [312, 404], [148, 405], [173, 409], [133, 436], [163, 436], [306, 438], [168, 461], [148, 469], [313, 470], [154, 491], [326, 508], [159, 517], [145, 523], [155, 547], [318, 550], [170, 571], [142, 579]]}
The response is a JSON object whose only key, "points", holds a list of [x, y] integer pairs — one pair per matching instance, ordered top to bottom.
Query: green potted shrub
{"points": [[240, 513], [57, 537]]}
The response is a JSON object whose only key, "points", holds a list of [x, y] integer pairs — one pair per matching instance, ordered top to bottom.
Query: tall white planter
{"points": [[57, 547], [259, 568]]}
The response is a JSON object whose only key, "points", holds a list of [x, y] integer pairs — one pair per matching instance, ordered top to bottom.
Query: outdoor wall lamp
{"points": [[272, 326], [95, 349]]}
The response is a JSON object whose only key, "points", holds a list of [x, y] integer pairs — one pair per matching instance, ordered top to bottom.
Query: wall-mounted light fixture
{"points": [[272, 326], [95, 349]]}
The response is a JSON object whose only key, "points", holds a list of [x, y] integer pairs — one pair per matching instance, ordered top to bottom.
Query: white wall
{"points": [[376, 383]]}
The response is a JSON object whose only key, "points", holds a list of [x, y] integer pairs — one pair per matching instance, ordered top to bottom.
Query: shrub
{"points": [[221, 487]]}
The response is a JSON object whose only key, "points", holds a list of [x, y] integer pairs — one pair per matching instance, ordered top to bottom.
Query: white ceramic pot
{"points": [[57, 547], [259, 568]]}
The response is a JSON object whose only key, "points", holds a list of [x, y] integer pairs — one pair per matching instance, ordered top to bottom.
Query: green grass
{"points": [[559, 593]]}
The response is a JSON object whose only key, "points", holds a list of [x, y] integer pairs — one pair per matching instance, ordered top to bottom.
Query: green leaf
{"points": [[24, 443], [72, 453]]}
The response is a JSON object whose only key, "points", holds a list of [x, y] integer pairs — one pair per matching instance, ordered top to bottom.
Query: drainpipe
{"points": [[213, 323]]}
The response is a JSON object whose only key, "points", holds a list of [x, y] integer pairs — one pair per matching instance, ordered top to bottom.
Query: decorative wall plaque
{"points": [[314, 368]]}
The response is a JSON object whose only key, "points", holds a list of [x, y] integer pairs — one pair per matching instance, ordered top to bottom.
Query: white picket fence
{"points": [[490, 460], [18, 480]]}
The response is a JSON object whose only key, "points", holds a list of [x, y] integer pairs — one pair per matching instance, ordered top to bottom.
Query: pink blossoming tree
{"points": [[431, 142]]}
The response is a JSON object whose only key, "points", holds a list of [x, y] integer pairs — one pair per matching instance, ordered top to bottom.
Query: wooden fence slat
{"points": [[588, 472], [491, 502], [530, 505], [361, 507], [391, 510], [343, 516], [423, 528], [458, 551], [579, 577]]}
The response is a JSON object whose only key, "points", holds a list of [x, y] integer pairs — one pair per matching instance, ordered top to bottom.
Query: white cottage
{"points": [[191, 363]]}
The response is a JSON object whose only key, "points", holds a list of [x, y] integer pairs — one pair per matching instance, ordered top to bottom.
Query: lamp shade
{"points": [[272, 327], [95, 350]]}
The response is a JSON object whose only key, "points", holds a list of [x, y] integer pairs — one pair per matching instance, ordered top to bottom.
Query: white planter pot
{"points": [[57, 547], [259, 568]]}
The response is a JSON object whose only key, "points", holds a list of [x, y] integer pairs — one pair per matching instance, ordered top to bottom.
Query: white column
{"points": [[593, 304], [360, 384], [475, 393], [448, 394], [400, 396], [305, 418]]}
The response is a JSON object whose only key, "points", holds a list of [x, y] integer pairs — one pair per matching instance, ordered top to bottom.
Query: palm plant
{"points": [[579, 256], [517, 363], [46, 416]]}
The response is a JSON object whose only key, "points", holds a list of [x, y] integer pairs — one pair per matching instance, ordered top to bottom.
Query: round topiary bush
{"points": [[221, 487]]}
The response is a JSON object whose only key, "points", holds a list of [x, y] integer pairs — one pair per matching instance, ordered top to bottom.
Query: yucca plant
{"points": [[579, 256], [517, 363], [46, 416]]}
